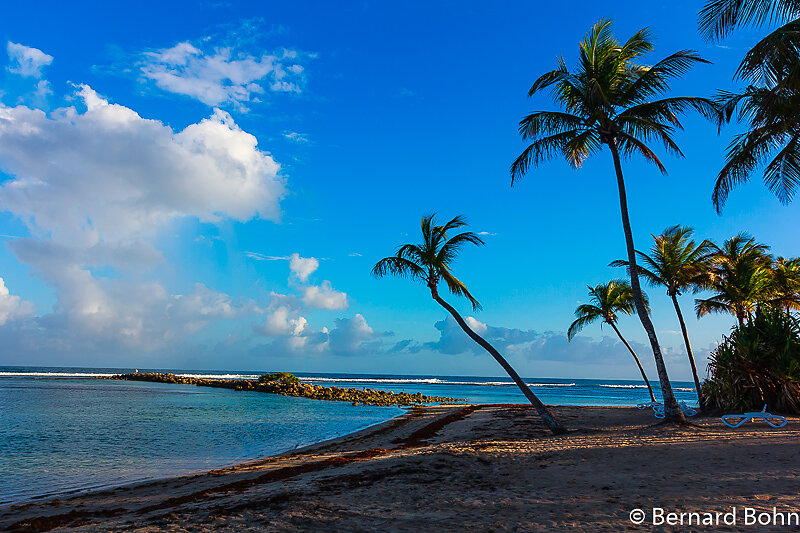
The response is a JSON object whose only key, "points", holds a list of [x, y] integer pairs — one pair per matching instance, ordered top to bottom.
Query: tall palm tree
{"points": [[609, 101], [769, 103], [430, 262], [678, 264], [740, 277], [786, 284], [608, 301]]}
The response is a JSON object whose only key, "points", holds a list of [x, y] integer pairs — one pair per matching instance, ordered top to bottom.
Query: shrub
{"points": [[757, 364], [285, 377]]}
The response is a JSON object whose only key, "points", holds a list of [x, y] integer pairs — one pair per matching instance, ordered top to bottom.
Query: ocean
{"points": [[62, 430]]}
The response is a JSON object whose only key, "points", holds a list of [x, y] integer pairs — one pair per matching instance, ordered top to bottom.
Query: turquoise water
{"points": [[63, 430], [61, 434]]}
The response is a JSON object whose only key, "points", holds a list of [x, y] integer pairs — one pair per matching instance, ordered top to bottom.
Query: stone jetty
{"points": [[287, 384]]}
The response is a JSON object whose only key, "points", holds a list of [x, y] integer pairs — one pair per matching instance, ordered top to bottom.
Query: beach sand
{"points": [[474, 468]]}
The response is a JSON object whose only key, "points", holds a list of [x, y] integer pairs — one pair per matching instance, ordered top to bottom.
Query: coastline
{"points": [[459, 467], [98, 489], [45, 512]]}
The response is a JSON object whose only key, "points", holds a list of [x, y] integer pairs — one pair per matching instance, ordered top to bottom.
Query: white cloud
{"points": [[27, 61], [222, 76], [296, 137], [109, 174], [95, 188], [261, 257], [303, 267], [324, 297], [12, 307], [293, 335], [349, 335]]}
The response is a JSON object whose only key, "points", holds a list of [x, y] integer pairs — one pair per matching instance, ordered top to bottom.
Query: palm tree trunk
{"points": [[688, 350], [636, 358], [672, 411], [554, 425]]}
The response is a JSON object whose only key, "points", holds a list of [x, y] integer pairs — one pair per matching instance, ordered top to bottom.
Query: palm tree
{"points": [[771, 100], [609, 102], [430, 262], [678, 264], [740, 277], [786, 284], [609, 300]]}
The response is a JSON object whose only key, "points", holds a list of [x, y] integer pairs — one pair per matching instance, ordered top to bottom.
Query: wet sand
{"points": [[473, 468]]}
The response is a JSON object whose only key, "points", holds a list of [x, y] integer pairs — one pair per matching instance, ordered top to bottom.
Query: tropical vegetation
{"points": [[610, 101], [770, 102], [430, 262], [678, 264], [608, 301], [757, 364]]}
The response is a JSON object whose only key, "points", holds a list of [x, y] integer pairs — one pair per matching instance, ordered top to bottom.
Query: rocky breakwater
{"points": [[287, 384]]}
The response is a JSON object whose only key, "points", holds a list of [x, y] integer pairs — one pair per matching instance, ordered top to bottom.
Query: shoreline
{"points": [[255, 461], [456, 467], [47, 521]]}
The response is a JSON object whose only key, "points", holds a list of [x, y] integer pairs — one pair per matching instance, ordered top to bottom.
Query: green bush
{"points": [[757, 364], [285, 377]]}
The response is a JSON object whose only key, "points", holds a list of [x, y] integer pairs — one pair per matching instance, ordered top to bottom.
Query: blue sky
{"points": [[207, 184]]}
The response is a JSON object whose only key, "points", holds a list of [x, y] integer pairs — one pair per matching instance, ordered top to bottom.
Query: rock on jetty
{"points": [[291, 386]]}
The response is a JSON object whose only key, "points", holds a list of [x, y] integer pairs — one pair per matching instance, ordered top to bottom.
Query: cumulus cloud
{"points": [[27, 61], [222, 75], [111, 174], [95, 188], [303, 267], [324, 297], [12, 307], [292, 334], [349, 335]]}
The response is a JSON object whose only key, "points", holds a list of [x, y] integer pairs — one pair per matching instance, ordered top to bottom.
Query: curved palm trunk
{"points": [[688, 350], [636, 358], [672, 411], [554, 425]]}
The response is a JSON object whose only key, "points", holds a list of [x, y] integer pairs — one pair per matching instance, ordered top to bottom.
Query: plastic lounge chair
{"points": [[648, 405], [688, 411], [775, 421]]}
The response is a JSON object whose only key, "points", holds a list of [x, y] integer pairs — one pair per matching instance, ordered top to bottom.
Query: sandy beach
{"points": [[457, 468]]}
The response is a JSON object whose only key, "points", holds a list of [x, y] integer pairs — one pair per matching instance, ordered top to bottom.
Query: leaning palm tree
{"points": [[609, 101], [769, 103], [430, 262], [678, 264], [740, 277], [608, 301]]}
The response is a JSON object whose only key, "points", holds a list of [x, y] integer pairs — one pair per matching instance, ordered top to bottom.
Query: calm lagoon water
{"points": [[62, 430]]}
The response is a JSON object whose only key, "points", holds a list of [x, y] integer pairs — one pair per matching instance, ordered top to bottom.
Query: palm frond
{"points": [[719, 17], [549, 122], [541, 150], [398, 266], [458, 288], [581, 322]]}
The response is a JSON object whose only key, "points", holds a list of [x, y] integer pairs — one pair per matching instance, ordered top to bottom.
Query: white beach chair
{"points": [[775, 421]]}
